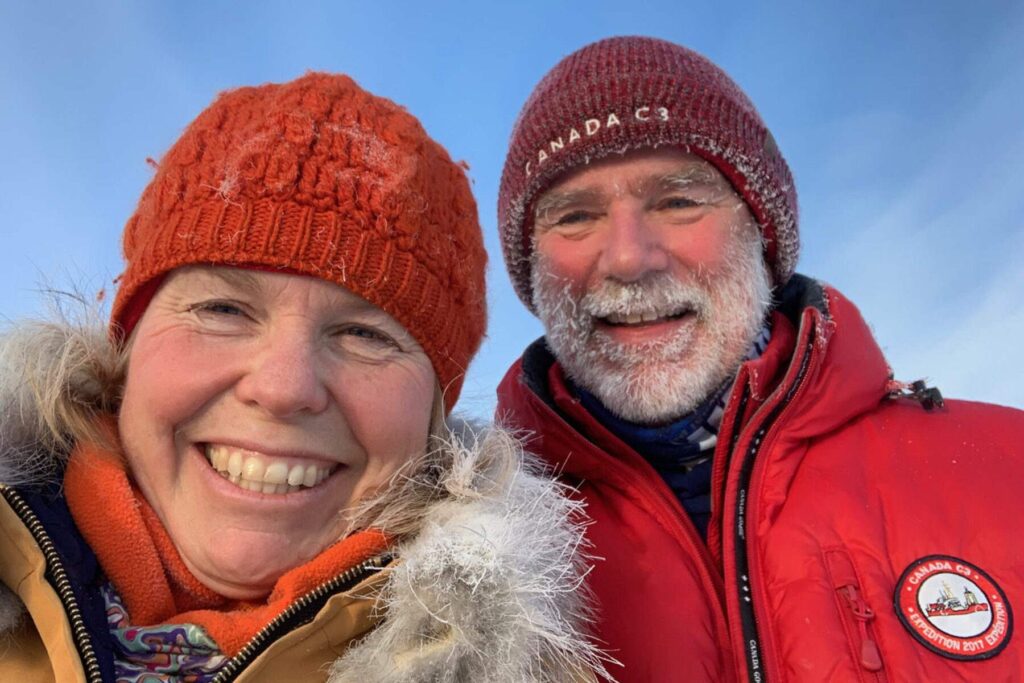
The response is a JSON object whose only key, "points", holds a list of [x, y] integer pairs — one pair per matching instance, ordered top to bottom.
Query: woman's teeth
{"points": [[262, 473]]}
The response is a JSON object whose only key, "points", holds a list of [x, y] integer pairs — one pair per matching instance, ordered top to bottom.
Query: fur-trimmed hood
{"points": [[488, 586]]}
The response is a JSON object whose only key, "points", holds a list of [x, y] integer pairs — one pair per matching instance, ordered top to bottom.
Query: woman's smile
{"points": [[264, 473]]}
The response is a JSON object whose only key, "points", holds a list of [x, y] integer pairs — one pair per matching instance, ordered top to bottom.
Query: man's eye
{"points": [[679, 203], [574, 218]]}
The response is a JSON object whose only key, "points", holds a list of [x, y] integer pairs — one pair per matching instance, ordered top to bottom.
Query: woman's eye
{"points": [[218, 308], [367, 334]]}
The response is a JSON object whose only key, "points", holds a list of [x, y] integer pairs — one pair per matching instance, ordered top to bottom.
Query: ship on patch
{"points": [[949, 605]]}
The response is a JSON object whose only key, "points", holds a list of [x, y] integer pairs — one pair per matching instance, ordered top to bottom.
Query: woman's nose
{"points": [[633, 249], [284, 376]]}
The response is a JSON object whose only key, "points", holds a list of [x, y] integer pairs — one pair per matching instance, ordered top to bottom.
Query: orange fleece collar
{"points": [[144, 566]]}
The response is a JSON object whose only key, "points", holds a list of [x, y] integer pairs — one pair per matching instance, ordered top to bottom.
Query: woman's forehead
{"points": [[259, 281], [273, 290]]}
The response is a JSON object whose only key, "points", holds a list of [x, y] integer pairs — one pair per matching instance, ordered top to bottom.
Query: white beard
{"points": [[658, 381]]}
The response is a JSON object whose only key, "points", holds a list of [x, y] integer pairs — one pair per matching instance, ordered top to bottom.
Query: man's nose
{"points": [[633, 248], [284, 376]]}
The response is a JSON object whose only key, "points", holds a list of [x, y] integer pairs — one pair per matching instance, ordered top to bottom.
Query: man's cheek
{"points": [[563, 272]]}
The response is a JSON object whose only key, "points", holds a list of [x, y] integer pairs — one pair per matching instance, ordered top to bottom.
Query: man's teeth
{"points": [[637, 318], [262, 473]]}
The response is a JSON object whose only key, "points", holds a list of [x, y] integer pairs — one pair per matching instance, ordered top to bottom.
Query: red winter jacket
{"points": [[855, 536]]}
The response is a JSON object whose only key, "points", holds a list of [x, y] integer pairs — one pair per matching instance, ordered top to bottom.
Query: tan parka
{"points": [[41, 646]]}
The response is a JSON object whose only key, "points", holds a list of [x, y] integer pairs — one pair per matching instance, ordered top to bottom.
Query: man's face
{"points": [[649, 278]]}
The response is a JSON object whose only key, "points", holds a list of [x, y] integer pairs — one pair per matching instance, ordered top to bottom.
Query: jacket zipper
{"points": [[720, 472], [59, 577], [298, 613], [856, 614], [748, 623], [870, 658]]}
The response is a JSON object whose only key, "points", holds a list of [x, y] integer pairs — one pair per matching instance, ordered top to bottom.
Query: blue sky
{"points": [[903, 124]]}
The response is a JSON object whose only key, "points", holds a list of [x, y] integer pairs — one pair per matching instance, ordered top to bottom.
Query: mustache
{"points": [[658, 295]]}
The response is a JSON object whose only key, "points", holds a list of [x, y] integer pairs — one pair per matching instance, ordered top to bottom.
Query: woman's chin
{"points": [[242, 542], [244, 569]]}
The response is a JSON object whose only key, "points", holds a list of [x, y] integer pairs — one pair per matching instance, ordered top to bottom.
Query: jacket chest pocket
{"points": [[857, 616]]}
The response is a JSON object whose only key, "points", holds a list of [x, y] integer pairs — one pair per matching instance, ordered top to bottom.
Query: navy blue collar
{"points": [[676, 444]]}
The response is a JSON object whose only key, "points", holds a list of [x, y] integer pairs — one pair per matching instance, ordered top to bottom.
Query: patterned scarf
{"points": [[162, 653]]}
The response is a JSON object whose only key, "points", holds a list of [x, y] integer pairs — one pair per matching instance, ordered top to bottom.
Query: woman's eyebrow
{"points": [[237, 278], [363, 307]]}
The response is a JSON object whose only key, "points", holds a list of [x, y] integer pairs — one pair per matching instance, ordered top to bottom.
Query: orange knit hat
{"points": [[321, 178]]}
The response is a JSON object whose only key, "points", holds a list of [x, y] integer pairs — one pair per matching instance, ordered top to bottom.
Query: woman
{"points": [[250, 477]]}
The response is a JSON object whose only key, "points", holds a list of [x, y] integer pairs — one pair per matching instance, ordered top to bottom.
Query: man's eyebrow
{"points": [[694, 175], [688, 177], [554, 200]]}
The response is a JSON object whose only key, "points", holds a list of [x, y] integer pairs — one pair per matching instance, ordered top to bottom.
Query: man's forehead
{"points": [[634, 172]]}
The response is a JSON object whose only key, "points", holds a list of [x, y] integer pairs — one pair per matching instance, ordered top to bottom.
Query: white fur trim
{"points": [[489, 591], [11, 610]]}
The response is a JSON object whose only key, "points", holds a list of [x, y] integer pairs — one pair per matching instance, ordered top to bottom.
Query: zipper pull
{"points": [[870, 658]]}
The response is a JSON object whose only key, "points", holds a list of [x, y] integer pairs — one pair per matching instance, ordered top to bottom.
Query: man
{"points": [[768, 503]]}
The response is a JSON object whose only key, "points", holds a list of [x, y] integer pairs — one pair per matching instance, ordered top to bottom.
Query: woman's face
{"points": [[258, 407]]}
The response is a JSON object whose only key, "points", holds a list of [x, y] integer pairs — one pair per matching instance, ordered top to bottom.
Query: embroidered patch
{"points": [[953, 608]]}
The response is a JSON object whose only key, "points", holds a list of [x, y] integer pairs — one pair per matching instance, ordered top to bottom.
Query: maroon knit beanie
{"points": [[627, 93], [321, 178]]}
